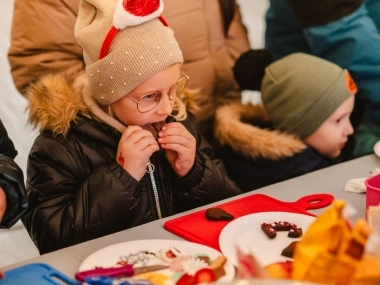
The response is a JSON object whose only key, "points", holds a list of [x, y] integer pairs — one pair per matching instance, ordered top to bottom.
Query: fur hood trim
{"points": [[55, 101], [237, 125]]}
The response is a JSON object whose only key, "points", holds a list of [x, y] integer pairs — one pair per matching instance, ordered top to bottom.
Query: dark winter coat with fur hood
{"points": [[254, 154], [76, 189]]}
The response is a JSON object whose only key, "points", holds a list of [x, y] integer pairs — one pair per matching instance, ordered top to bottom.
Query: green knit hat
{"points": [[300, 92]]}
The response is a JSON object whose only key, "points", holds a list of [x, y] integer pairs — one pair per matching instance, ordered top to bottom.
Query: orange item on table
{"points": [[330, 251], [368, 272]]}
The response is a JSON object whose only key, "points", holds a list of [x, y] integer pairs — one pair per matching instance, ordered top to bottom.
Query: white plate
{"points": [[376, 148], [246, 232], [110, 255]]}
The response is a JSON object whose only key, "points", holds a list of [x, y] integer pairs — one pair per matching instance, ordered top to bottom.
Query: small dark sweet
{"points": [[170, 119], [218, 214], [281, 226], [269, 230], [295, 232], [289, 250]]}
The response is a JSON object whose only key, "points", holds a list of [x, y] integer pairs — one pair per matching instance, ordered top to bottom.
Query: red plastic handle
{"points": [[314, 201]]}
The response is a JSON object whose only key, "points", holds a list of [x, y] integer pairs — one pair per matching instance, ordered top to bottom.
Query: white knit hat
{"points": [[124, 43]]}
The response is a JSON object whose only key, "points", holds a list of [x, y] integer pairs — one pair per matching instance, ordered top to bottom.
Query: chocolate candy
{"points": [[218, 214], [271, 229], [289, 250]]}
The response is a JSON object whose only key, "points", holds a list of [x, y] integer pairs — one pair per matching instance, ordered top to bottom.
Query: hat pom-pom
{"points": [[135, 12], [250, 67]]}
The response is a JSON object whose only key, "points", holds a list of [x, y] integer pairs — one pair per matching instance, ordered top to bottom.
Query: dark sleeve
{"points": [[312, 13], [283, 32], [6, 145], [252, 174], [11, 181], [208, 181], [70, 200]]}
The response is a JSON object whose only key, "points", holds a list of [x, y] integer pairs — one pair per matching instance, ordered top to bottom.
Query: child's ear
{"points": [[250, 67]]}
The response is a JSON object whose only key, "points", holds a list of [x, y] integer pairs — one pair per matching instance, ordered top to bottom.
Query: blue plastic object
{"points": [[36, 274], [105, 280]]}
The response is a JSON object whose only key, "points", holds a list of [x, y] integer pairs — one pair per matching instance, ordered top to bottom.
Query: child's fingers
{"points": [[174, 129], [176, 133], [136, 135]]}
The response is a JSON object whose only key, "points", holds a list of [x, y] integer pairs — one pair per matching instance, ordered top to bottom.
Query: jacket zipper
{"points": [[150, 170]]}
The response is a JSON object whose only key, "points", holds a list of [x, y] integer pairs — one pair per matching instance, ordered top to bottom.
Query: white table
{"points": [[330, 180]]}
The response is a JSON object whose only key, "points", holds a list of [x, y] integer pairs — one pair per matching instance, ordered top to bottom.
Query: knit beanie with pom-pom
{"points": [[124, 43]]}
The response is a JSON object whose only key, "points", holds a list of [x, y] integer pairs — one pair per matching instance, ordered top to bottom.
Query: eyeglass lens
{"points": [[150, 101]]}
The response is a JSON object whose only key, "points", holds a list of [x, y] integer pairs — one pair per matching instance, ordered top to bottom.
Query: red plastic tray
{"points": [[196, 228]]}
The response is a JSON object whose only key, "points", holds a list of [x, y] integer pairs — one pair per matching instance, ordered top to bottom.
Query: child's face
{"points": [[126, 110], [331, 136]]}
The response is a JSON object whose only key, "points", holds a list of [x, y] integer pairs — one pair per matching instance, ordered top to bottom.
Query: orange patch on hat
{"points": [[351, 85]]}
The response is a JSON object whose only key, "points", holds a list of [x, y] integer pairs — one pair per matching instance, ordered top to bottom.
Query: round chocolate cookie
{"points": [[218, 214]]}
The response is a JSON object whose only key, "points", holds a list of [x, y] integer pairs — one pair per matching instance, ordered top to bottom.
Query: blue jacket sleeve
{"points": [[353, 42]]}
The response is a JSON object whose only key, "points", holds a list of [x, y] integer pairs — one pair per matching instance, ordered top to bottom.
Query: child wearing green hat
{"points": [[302, 124]]}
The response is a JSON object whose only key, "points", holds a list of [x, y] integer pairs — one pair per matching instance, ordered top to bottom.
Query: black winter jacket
{"points": [[255, 154], [250, 174], [11, 181], [78, 192]]}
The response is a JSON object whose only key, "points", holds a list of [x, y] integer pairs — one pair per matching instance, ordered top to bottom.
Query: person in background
{"points": [[345, 32], [210, 33], [301, 126], [108, 158], [13, 200]]}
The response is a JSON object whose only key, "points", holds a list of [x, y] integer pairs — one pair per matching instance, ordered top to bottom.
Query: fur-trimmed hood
{"points": [[56, 100], [245, 128]]}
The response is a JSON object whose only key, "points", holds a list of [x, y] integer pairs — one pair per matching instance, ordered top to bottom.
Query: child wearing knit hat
{"points": [[302, 124], [117, 146]]}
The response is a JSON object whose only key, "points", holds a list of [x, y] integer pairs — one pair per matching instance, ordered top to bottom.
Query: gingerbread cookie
{"points": [[218, 214]]}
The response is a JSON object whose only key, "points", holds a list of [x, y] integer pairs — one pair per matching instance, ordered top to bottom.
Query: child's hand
{"points": [[179, 147], [135, 148]]}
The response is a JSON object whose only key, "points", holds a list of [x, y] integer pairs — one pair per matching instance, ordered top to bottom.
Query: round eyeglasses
{"points": [[149, 101]]}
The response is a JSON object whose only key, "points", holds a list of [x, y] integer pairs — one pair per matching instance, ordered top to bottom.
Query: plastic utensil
{"points": [[126, 270], [105, 280]]}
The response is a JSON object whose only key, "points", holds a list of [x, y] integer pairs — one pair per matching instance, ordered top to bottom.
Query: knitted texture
{"points": [[136, 52], [300, 92]]}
